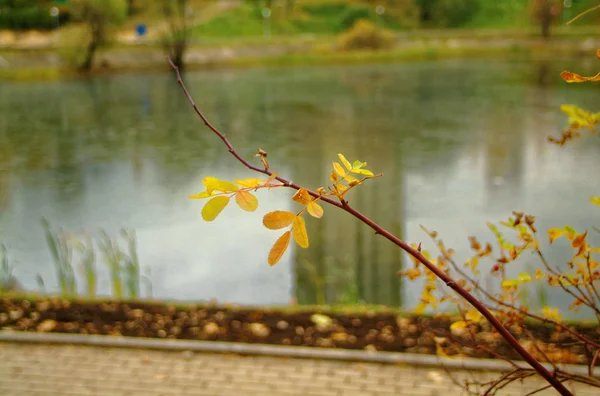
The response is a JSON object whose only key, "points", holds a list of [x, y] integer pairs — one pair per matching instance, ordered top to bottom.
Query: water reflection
{"points": [[459, 142]]}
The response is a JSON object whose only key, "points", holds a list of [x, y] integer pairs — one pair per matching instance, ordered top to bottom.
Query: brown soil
{"points": [[371, 330]]}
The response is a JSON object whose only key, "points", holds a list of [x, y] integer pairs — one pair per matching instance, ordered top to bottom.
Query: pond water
{"points": [[460, 142]]}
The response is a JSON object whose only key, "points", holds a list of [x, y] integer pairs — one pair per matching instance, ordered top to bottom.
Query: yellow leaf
{"points": [[576, 78], [345, 161], [357, 164], [338, 169], [362, 172], [271, 179], [351, 179], [249, 183], [214, 184], [203, 194], [302, 196], [595, 200], [246, 201], [314, 209], [211, 210], [278, 219], [299, 230], [555, 233], [279, 248], [473, 262], [411, 273], [539, 274], [524, 277], [510, 283], [420, 308], [551, 314], [474, 315], [461, 324]]}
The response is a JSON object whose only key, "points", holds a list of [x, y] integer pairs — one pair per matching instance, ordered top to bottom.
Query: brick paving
{"points": [[38, 369]]}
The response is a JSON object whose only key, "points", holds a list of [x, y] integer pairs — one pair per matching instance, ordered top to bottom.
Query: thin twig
{"points": [[583, 13], [512, 341], [593, 363]]}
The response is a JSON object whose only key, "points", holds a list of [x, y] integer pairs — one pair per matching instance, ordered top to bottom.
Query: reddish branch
{"points": [[512, 341]]}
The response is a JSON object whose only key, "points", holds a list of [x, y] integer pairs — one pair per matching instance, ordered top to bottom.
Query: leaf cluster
{"points": [[220, 192]]}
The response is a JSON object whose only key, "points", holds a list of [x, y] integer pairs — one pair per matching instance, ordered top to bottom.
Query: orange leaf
{"points": [[598, 53], [576, 78], [302, 196], [246, 201], [314, 209], [211, 210], [278, 219], [299, 230], [579, 240], [279, 248]]}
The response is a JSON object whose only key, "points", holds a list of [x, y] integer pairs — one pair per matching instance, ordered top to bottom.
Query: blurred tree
{"points": [[447, 13], [546, 13], [99, 16], [176, 40]]}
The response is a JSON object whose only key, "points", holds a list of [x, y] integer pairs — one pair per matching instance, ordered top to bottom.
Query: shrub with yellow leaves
{"points": [[501, 311]]}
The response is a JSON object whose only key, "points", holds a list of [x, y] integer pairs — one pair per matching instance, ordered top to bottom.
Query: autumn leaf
{"points": [[576, 78], [345, 161], [357, 164], [338, 169], [362, 172], [270, 181], [249, 183], [214, 184], [203, 194], [302, 196], [595, 200], [246, 201], [314, 209], [211, 210], [278, 219], [299, 231], [555, 233], [579, 240], [279, 248], [473, 262], [411, 273], [539, 274], [524, 277], [510, 283], [419, 309], [551, 313], [474, 315], [461, 324]]}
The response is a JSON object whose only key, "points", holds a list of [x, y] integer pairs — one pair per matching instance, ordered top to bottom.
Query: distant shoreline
{"points": [[46, 64]]}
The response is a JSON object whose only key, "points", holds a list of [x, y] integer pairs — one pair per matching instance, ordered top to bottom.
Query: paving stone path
{"points": [[38, 369]]}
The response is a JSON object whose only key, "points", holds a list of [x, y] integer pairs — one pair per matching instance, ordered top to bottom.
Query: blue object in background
{"points": [[141, 29]]}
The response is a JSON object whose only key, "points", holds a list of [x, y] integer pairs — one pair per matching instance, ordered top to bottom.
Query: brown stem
{"points": [[512, 341], [593, 363]]}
